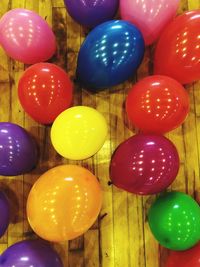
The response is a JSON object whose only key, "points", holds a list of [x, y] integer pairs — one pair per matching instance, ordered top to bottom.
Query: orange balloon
{"points": [[64, 203]]}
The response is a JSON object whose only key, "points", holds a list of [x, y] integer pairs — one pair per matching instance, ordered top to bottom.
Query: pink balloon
{"points": [[150, 16], [25, 36]]}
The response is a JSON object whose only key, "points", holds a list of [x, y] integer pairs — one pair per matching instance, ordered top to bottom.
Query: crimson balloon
{"points": [[178, 50], [45, 90], [157, 104], [144, 164], [188, 258]]}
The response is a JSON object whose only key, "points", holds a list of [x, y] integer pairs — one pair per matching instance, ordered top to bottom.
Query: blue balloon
{"points": [[110, 54]]}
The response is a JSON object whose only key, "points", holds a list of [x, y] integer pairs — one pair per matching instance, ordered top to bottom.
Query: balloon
{"points": [[90, 13], [150, 16], [26, 37], [178, 51], [110, 54], [45, 91], [157, 104], [79, 132], [18, 151], [144, 164], [64, 203], [5, 213], [174, 220], [30, 253], [188, 258]]}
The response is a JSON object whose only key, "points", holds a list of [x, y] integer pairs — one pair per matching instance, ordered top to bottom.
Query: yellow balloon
{"points": [[78, 132], [64, 203]]}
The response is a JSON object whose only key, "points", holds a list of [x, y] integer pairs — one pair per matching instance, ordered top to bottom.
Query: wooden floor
{"points": [[121, 237]]}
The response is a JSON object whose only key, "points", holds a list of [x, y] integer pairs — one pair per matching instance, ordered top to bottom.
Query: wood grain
{"points": [[121, 236]]}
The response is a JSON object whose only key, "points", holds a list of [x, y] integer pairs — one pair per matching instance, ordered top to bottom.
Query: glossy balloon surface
{"points": [[90, 13], [150, 16], [25, 36], [178, 50], [110, 54], [45, 90], [157, 104], [79, 132], [18, 151], [144, 164], [64, 203], [4, 213], [174, 220], [30, 253], [188, 258]]}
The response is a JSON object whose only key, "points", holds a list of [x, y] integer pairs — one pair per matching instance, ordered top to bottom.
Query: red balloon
{"points": [[178, 50], [45, 90], [157, 104], [188, 258]]}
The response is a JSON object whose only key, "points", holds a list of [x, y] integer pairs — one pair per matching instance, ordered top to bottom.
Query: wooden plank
{"points": [[102, 171], [91, 248]]}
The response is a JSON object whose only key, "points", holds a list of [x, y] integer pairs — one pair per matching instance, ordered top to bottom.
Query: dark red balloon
{"points": [[178, 50], [45, 90], [157, 104], [144, 164], [188, 258]]}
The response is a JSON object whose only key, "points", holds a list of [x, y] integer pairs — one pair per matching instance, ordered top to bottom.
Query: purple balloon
{"points": [[90, 13], [18, 151], [144, 164], [4, 213], [30, 253]]}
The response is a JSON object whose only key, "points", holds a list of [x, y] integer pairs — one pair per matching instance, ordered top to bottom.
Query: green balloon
{"points": [[174, 219]]}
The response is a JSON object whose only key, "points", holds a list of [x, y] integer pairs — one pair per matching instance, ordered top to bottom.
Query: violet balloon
{"points": [[90, 13], [150, 16], [25, 36], [18, 151], [144, 164], [4, 213], [30, 253]]}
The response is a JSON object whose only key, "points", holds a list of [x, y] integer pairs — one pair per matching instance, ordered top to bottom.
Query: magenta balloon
{"points": [[90, 13], [150, 16], [26, 37], [144, 164]]}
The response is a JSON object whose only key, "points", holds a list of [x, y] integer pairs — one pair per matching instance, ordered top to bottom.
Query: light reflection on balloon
{"points": [[150, 16], [26, 37], [178, 50], [110, 54], [45, 90], [157, 104], [79, 132], [18, 151], [144, 164], [63, 203], [174, 219], [30, 253]]}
